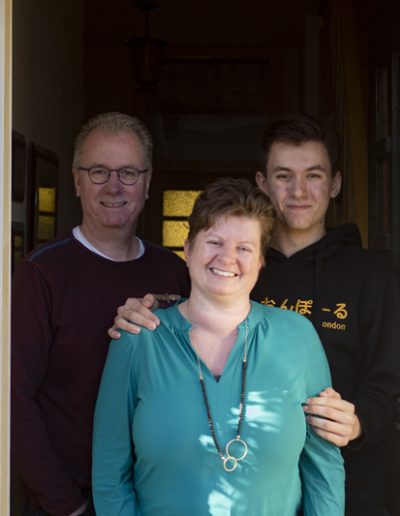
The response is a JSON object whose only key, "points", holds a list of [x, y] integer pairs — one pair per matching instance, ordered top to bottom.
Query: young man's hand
{"points": [[135, 313], [332, 418]]}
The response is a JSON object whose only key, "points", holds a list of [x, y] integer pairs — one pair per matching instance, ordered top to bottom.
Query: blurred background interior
{"points": [[206, 76]]}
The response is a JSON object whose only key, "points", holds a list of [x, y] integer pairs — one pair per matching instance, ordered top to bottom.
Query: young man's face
{"points": [[299, 182]]}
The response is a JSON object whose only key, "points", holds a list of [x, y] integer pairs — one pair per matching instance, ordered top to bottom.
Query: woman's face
{"points": [[225, 260]]}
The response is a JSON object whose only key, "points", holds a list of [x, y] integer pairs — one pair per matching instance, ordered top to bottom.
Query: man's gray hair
{"points": [[114, 122]]}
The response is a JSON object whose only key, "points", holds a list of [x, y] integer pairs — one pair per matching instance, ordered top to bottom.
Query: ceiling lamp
{"points": [[147, 51]]}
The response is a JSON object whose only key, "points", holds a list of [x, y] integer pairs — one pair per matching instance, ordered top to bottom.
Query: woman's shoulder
{"points": [[270, 314], [284, 327], [286, 331], [130, 344], [126, 346]]}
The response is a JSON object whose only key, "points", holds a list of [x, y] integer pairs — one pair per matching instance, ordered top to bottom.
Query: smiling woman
{"points": [[226, 243], [226, 258], [204, 415]]}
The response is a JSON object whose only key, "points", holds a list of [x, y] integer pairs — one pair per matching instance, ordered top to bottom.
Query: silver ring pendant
{"points": [[242, 443], [230, 464]]}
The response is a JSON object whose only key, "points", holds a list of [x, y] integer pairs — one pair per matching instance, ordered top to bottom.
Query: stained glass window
{"points": [[47, 199], [179, 203], [177, 206], [46, 227], [174, 233]]}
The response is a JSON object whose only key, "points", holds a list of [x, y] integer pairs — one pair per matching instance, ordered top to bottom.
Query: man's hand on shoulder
{"points": [[134, 314], [332, 418]]}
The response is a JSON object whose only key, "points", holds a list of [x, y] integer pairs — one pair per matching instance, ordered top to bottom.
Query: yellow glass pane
{"points": [[47, 199], [179, 203], [46, 227], [174, 233], [18, 241], [18, 248], [181, 254], [18, 255]]}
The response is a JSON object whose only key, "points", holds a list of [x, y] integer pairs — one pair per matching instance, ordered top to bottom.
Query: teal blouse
{"points": [[153, 454]]}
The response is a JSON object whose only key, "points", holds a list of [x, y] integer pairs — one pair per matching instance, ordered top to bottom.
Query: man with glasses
{"points": [[65, 294]]}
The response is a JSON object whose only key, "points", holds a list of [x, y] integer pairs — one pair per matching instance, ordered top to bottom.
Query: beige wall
{"points": [[5, 189]]}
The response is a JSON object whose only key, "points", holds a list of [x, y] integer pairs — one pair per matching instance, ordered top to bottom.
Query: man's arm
{"points": [[32, 338], [366, 421]]}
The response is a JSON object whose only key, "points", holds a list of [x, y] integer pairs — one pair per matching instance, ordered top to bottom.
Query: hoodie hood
{"points": [[335, 238], [318, 252]]}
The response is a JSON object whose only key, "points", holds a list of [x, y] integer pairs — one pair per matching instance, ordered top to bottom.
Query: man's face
{"points": [[299, 182], [111, 205]]}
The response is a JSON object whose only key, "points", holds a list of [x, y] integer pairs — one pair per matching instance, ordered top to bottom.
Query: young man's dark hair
{"points": [[297, 129]]}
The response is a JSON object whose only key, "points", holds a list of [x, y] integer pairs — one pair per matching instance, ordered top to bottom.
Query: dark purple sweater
{"points": [[64, 298]]}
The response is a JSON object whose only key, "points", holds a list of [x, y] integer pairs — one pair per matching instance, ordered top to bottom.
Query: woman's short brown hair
{"points": [[232, 197]]}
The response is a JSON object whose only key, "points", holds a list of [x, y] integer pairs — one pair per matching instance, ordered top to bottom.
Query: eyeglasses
{"points": [[100, 175]]}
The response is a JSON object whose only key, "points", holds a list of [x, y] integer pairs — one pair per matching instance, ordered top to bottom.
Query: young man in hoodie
{"points": [[349, 294]]}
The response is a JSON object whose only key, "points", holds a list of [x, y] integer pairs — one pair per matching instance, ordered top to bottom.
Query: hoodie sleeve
{"points": [[379, 378]]}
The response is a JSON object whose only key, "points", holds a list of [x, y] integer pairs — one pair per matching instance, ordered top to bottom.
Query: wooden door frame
{"points": [[384, 134]]}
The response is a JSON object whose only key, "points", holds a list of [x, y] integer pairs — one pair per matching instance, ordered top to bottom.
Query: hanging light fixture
{"points": [[147, 51]]}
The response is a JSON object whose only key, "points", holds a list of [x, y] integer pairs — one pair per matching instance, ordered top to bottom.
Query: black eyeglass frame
{"points": [[110, 170]]}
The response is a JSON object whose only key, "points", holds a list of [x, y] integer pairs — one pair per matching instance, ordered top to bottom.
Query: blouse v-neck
{"points": [[235, 354]]}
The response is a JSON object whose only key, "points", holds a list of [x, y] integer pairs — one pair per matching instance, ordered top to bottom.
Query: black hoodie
{"points": [[351, 296]]}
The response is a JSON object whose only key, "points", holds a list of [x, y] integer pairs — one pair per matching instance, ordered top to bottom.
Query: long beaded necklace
{"points": [[229, 460]]}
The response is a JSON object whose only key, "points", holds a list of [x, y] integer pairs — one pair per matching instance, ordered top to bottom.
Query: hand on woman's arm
{"points": [[135, 313], [332, 418], [321, 463]]}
